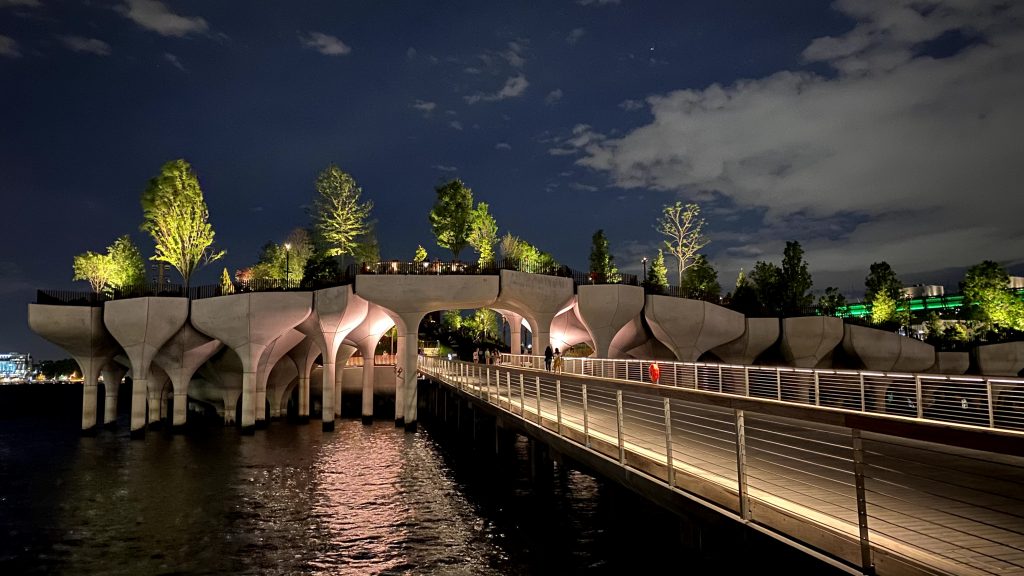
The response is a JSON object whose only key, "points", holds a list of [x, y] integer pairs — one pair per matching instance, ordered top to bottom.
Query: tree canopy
{"points": [[175, 215], [451, 217], [340, 218], [685, 231], [483, 233], [524, 256], [284, 261], [602, 263], [94, 268], [119, 268], [657, 275], [796, 280], [700, 281], [987, 287], [883, 290], [831, 301]]}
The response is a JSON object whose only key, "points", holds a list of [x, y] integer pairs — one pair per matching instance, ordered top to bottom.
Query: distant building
{"points": [[1017, 282], [923, 291], [15, 366]]}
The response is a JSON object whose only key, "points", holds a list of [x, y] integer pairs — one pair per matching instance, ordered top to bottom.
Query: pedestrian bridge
{"points": [[787, 452]]}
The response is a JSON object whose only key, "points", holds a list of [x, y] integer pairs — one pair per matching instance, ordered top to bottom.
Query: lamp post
{"points": [[287, 258], [643, 281]]}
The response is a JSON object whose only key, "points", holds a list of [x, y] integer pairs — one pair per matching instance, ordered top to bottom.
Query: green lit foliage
{"points": [[175, 215], [339, 216], [451, 216], [685, 231], [483, 233], [421, 254], [525, 256], [286, 260], [602, 263], [127, 266], [94, 268], [321, 269], [657, 275], [881, 278], [700, 281], [796, 281], [226, 286], [986, 287], [743, 298], [831, 301], [883, 308], [451, 320], [483, 325]]}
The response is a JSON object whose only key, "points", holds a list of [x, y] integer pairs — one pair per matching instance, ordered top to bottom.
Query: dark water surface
{"points": [[293, 500]]}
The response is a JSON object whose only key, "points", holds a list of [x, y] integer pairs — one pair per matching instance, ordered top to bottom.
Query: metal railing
{"points": [[990, 402], [872, 500]]}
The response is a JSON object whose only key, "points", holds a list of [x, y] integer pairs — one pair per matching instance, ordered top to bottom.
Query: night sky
{"points": [[867, 130]]}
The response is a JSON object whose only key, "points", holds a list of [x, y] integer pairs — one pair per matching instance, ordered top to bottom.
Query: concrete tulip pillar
{"points": [[536, 298], [605, 309], [336, 311], [248, 323], [515, 324], [142, 326], [79, 330], [365, 337], [273, 352], [345, 352], [304, 354], [180, 357], [405, 369], [113, 373], [281, 379], [156, 384]]}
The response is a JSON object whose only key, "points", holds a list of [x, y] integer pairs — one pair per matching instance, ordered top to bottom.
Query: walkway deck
{"points": [[929, 508]]}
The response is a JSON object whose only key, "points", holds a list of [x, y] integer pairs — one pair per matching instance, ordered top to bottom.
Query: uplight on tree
{"points": [[339, 217], [451, 217], [685, 231]]}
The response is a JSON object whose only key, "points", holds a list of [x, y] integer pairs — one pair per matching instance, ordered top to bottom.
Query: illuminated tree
{"points": [[175, 215], [451, 216], [339, 217], [685, 230], [483, 233], [421, 254], [525, 256], [286, 260], [602, 263], [127, 266], [94, 268], [657, 275], [881, 278], [700, 281], [226, 286], [987, 287], [743, 298], [831, 301], [482, 325]]}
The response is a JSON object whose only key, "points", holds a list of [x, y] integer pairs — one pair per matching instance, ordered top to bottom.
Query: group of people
{"points": [[485, 356], [553, 358]]}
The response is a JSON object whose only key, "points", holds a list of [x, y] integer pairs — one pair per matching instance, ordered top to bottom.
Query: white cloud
{"points": [[154, 15], [574, 36], [325, 44], [90, 45], [9, 47], [410, 53], [514, 54], [174, 61], [471, 70], [514, 87], [553, 96], [631, 105], [424, 106], [456, 125], [502, 146], [900, 157], [444, 168], [583, 187]]}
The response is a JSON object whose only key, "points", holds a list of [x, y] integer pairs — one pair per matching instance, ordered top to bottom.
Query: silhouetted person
{"points": [[548, 355]]}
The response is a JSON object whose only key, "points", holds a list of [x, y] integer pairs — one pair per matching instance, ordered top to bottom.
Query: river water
{"points": [[294, 500]]}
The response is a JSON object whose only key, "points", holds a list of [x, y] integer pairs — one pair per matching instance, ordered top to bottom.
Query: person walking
{"points": [[548, 355], [476, 356], [487, 356], [558, 361]]}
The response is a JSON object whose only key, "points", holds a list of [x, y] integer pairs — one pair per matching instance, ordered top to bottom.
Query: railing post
{"points": [[696, 377], [719, 377], [746, 380], [778, 383], [508, 385], [817, 389], [919, 394], [522, 397], [991, 403], [863, 404], [558, 405], [586, 419], [540, 421], [618, 427], [669, 460], [741, 465], [862, 503]]}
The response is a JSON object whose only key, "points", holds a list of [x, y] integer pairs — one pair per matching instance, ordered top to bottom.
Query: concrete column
{"points": [[515, 324], [80, 331], [365, 337], [366, 349], [345, 352], [304, 354], [410, 355], [180, 357], [268, 360], [113, 373], [400, 380], [304, 397], [153, 399], [230, 400], [180, 409], [138, 421]]}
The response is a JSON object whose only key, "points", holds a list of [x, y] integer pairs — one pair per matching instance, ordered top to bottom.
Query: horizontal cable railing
{"points": [[987, 401], [859, 496]]}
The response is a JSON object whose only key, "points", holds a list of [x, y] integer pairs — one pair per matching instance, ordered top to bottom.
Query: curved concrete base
{"points": [[605, 309], [691, 327], [759, 335], [808, 341], [887, 351], [1005, 359], [951, 363]]}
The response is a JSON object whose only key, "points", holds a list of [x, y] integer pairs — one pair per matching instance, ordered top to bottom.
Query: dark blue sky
{"points": [[865, 130]]}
